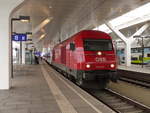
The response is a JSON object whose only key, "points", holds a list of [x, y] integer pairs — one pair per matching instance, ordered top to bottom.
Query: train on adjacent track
{"points": [[136, 55], [85, 57]]}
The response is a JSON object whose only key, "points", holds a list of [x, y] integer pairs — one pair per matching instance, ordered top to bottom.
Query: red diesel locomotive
{"points": [[87, 56]]}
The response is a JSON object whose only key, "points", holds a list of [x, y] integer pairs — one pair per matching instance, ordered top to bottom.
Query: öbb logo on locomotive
{"points": [[100, 59]]}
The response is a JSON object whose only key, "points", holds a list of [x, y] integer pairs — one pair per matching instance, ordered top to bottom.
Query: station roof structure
{"points": [[134, 17], [52, 19]]}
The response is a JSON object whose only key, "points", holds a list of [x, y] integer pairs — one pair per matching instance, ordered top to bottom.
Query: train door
{"points": [[63, 55]]}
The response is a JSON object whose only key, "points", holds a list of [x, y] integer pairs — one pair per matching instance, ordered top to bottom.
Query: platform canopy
{"points": [[54, 20]]}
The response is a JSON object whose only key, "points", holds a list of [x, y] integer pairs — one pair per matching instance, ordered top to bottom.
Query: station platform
{"points": [[135, 68], [40, 89]]}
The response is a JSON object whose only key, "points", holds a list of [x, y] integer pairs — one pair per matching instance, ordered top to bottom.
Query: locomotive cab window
{"points": [[97, 45]]}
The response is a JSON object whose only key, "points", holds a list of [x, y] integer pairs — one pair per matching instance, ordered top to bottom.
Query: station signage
{"points": [[19, 37]]}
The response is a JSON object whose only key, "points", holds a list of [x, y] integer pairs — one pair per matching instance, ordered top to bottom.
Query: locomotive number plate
{"points": [[102, 59]]}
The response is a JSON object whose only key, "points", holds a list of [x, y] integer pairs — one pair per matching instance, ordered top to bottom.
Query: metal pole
{"points": [[11, 44], [11, 47], [142, 51], [20, 52], [31, 55]]}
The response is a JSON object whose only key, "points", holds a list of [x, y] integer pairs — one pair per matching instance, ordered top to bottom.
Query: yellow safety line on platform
{"points": [[64, 105]]}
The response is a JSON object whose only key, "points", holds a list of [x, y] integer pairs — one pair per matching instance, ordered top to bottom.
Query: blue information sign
{"points": [[19, 37]]}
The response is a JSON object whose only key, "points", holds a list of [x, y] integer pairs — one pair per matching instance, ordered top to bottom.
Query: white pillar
{"points": [[6, 7], [126, 41], [23, 52], [127, 53]]}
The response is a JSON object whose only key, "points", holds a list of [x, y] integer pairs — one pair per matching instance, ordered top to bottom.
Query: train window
{"points": [[97, 45], [72, 46], [134, 50], [139, 50], [148, 55], [134, 58]]}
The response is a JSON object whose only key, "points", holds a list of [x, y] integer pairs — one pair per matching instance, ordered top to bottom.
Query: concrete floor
{"points": [[40, 89], [132, 91], [29, 94]]}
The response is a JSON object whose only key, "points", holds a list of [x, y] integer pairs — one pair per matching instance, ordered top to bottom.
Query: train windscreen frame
{"points": [[97, 45]]}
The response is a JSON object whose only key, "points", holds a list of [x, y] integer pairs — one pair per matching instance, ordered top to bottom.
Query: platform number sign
{"points": [[19, 37]]}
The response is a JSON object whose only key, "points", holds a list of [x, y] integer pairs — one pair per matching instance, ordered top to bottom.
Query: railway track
{"points": [[142, 79], [137, 82], [117, 102]]}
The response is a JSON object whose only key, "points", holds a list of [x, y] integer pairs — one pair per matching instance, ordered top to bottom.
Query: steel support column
{"points": [[139, 32], [127, 51]]}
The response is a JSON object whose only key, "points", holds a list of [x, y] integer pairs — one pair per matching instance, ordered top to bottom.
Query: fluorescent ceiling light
{"points": [[50, 7], [131, 18], [24, 20], [46, 21], [40, 26], [30, 35], [42, 36]]}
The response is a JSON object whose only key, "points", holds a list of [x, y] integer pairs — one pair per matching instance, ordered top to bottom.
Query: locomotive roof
{"points": [[89, 32], [85, 33]]}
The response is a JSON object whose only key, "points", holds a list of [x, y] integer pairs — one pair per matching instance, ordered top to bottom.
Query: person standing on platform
{"points": [[36, 60]]}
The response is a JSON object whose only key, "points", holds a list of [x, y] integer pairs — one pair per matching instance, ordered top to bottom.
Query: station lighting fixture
{"points": [[50, 7], [21, 18], [24, 18], [46, 21], [42, 25], [29, 33], [42, 36]]}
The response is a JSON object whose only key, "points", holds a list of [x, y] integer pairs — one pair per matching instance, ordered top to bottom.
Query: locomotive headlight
{"points": [[99, 53], [88, 65], [112, 65]]}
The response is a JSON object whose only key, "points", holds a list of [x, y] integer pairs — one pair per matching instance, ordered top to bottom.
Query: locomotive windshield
{"points": [[97, 45]]}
